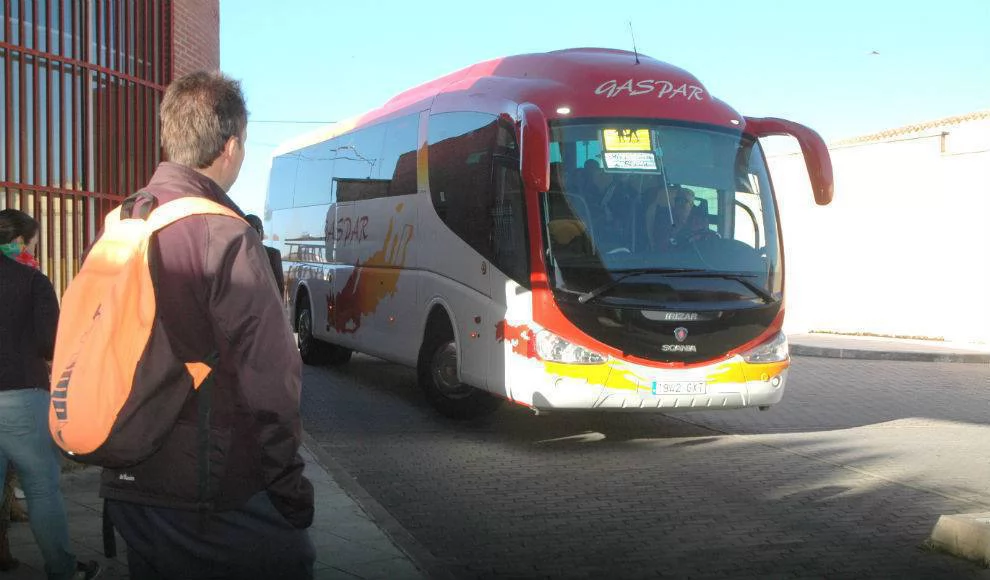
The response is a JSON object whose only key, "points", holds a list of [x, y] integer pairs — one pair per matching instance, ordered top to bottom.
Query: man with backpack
{"points": [[202, 475]]}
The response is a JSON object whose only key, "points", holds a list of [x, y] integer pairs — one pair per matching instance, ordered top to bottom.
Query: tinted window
{"points": [[356, 154], [355, 157], [398, 159], [460, 159], [315, 166], [281, 182], [476, 187], [359, 189], [510, 254]]}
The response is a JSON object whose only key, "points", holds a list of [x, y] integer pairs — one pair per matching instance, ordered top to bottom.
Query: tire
{"points": [[314, 351], [437, 371]]}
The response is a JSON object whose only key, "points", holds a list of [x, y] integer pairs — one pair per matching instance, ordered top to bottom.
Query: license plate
{"points": [[680, 388]]}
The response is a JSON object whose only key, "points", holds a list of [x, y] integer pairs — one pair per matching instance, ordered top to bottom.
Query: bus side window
{"points": [[461, 147], [356, 154], [398, 160], [312, 175], [282, 181], [509, 223]]}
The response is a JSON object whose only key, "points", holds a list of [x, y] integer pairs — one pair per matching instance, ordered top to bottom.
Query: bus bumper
{"points": [[733, 384]]}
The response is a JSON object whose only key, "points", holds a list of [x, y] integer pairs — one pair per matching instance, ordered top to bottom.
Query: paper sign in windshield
{"points": [[626, 139], [635, 161]]}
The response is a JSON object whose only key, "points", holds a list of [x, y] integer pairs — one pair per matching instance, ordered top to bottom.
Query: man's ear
{"points": [[230, 147]]}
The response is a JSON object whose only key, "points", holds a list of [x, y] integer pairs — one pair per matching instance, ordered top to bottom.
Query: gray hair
{"points": [[201, 111]]}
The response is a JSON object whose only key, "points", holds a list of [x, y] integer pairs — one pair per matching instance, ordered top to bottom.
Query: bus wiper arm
{"points": [[685, 272], [737, 277], [595, 292]]}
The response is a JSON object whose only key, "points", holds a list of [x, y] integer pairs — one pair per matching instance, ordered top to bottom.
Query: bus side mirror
{"points": [[535, 149], [816, 156]]}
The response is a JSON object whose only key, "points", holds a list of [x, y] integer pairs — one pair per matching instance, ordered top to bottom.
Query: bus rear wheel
{"points": [[314, 351], [438, 379]]}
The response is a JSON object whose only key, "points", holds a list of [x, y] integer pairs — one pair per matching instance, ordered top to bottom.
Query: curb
{"points": [[865, 354], [964, 536], [428, 564]]}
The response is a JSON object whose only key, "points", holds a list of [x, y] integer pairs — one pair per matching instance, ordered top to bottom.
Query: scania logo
{"points": [[680, 333]]}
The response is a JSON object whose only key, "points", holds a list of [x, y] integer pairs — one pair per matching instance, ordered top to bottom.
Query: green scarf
{"points": [[12, 250], [18, 252]]}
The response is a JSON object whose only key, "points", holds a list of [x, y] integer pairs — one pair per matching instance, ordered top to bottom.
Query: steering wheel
{"points": [[697, 236]]}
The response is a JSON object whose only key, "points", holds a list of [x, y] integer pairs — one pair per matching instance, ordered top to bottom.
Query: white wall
{"points": [[904, 247]]}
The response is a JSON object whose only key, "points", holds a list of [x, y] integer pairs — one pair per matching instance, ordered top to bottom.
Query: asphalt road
{"points": [[844, 479]]}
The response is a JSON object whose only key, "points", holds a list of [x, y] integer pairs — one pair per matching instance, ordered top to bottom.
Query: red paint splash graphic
{"points": [[373, 280], [520, 337]]}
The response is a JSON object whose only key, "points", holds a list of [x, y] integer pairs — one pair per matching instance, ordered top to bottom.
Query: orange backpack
{"points": [[111, 404]]}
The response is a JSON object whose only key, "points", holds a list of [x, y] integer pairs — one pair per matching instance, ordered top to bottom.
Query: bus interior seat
{"points": [[579, 207], [702, 209], [568, 220], [563, 232]]}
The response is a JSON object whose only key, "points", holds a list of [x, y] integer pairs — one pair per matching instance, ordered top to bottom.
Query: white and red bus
{"points": [[580, 229]]}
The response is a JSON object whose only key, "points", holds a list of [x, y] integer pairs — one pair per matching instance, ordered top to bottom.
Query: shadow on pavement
{"points": [[844, 479]]}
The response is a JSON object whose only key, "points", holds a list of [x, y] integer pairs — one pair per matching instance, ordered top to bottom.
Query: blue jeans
{"points": [[26, 441]]}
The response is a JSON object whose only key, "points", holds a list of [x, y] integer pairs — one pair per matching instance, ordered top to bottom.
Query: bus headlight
{"points": [[551, 347], [773, 350]]}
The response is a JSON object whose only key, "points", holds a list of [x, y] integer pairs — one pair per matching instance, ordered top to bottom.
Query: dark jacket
{"points": [[275, 258], [213, 294], [28, 321]]}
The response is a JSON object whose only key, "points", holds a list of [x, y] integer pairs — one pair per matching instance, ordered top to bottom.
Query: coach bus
{"points": [[580, 229]]}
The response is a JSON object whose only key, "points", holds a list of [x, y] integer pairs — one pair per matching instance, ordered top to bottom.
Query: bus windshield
{"points": [[644, 212]]}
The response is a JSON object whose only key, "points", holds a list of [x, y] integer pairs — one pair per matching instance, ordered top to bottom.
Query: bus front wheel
{"points": [[312, 350], [438, 379]]}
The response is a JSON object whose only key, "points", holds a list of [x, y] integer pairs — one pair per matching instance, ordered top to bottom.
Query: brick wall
{"points": [[195, 36]]}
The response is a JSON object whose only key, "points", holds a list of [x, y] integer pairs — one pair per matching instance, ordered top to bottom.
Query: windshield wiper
{"points": [[682, 272], [735, 276], [595, 292]]}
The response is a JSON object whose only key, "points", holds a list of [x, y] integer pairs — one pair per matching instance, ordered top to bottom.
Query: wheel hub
{"points": [[444, 372]]}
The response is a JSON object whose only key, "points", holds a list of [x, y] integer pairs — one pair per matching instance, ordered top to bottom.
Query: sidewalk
{"points": [[879, 348], [349, 543]]}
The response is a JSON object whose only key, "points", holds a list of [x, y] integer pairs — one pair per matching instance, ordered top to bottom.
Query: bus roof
{"points": [[571, 83]]}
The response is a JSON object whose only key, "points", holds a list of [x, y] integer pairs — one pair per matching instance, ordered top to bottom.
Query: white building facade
{"points": [[904, 248]]}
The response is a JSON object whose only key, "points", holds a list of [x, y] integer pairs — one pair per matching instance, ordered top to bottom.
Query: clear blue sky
{"points": [[811, 62]]}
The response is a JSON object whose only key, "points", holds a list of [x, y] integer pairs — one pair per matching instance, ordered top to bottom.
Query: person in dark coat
{"points": [[274, 256], [28, 322], [246, 515]]}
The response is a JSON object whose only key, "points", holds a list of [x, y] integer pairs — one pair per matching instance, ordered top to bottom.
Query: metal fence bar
{"points": [[82, 81]]}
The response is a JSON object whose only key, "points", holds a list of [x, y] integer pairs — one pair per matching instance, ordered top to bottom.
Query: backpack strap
{"points": [[138, 206], [174, 210]]}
